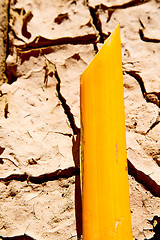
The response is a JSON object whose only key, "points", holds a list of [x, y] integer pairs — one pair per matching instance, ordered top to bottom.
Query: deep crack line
{"points": [[131, 3], [111, 9], [97, 23], [147, 39], [41, 42], [139, 80], [153, 97], [65, 106], [155, 123], [65, 173], [144, 179], [148, 183], [20, 237]]}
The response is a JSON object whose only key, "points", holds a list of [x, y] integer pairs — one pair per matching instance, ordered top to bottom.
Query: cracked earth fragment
{"points": [[77, 14], [42, 133]]}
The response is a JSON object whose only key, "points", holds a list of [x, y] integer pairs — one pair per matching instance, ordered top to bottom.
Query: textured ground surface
{"points": [[3, 37], [51, 43]]}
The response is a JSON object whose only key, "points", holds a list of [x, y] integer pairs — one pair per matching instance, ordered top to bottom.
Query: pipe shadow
{"points": [[78, 196]]}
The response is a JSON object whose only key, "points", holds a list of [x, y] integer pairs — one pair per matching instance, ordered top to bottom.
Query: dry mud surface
{"points": [[50, 45]]}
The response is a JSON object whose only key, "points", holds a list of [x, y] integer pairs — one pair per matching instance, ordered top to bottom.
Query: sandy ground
{"points": [[51, 44]]}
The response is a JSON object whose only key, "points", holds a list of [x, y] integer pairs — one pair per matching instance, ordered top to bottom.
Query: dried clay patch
{"points": [[50, 45]]}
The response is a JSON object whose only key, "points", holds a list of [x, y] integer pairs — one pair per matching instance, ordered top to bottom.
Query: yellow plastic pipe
{"points": [[105, 190]]}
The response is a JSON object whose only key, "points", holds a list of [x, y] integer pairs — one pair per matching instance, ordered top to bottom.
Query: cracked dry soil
{"points": [[50, 44]]}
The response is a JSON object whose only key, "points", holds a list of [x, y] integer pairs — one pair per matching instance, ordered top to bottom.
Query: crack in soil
{"points": [[131, 3], [111, 9], [26, 18], [97, 23], [15, 36], [147, 39], [42, 42], [41, 46], [95, 48], [153, 97], [65, 106], [155, 123], [75, 153], [4, 158], [60, 173], [147, 182], [20, 237]]}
